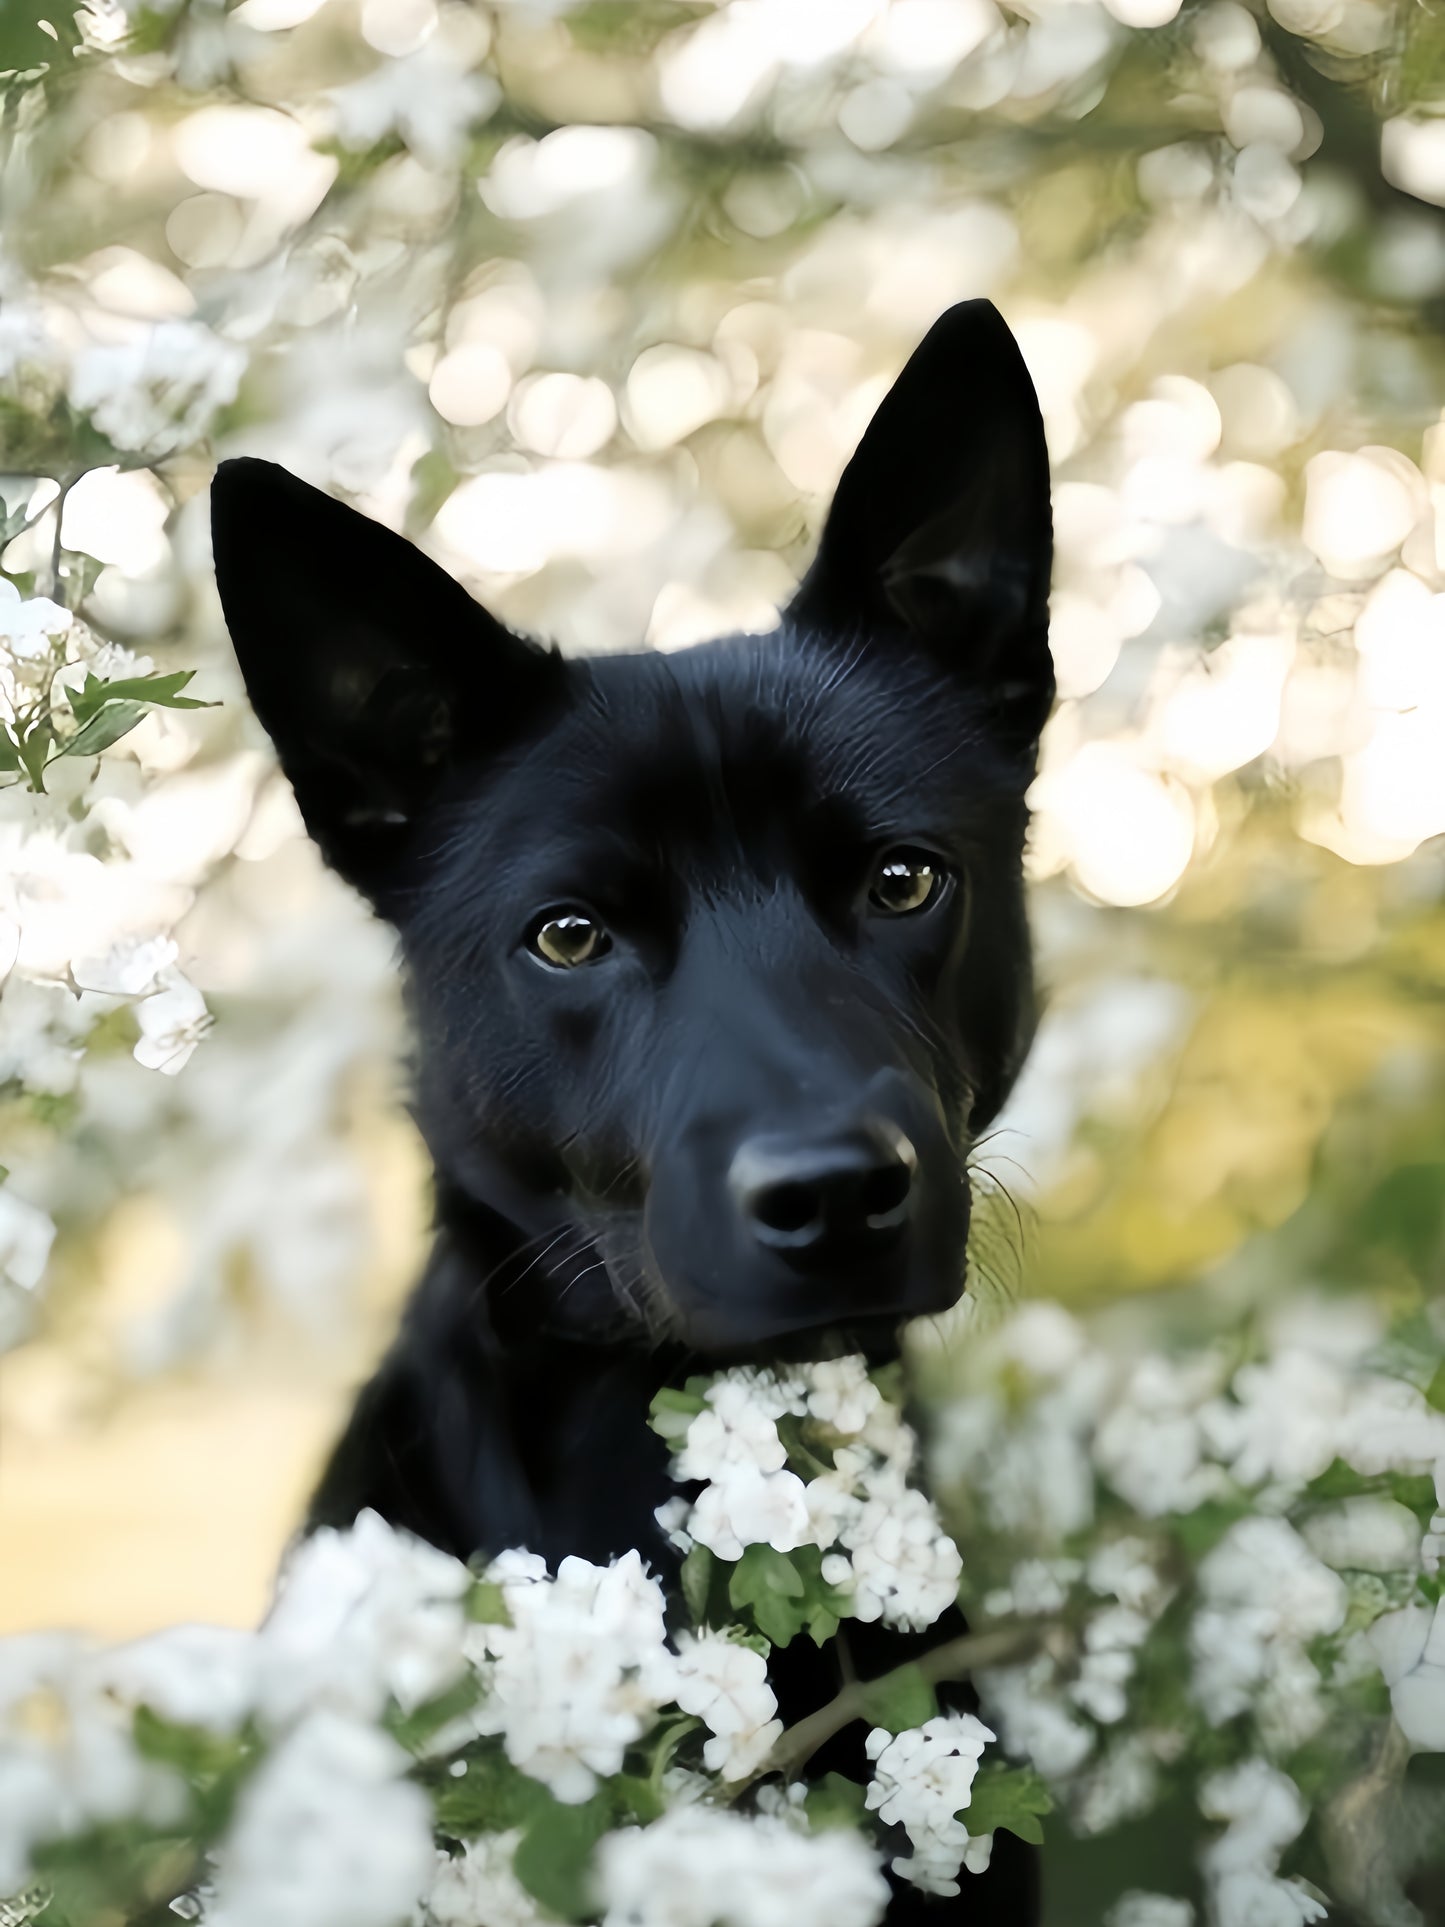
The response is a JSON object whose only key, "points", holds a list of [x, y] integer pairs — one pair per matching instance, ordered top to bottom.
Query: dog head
{"points": [[718, 959]]}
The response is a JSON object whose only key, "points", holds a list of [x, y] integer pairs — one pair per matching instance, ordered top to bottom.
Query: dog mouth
{"points": [[610, 1287]]}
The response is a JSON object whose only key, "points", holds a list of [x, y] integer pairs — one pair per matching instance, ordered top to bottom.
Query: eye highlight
{"points": [[905, 882], [565, 939]]}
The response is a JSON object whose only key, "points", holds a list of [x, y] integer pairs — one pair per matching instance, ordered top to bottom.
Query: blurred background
{"points": [[593, 301]]}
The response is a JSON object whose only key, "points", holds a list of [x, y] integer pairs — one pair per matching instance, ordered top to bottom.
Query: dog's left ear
{"points": [[940, 527], [375, 674]]}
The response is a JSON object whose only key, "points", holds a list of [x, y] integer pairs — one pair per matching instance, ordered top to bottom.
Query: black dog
{"points": [[718, 961]]}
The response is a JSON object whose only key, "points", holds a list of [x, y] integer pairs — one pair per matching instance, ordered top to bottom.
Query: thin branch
{"points": [[955, 1659]]}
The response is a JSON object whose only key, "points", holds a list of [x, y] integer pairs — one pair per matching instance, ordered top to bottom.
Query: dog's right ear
{"points": [[940, 533], [373, 671]]}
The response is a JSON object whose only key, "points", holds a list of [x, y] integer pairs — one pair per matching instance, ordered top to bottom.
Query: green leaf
{"points": [[160, 689], [85, 700], [107, 726], [35, 748], [9, 751], [1435, 1390], [673, 1410], [1340, 1481], [1203, 1528], [697, 1570], [766, 1583], [486, 1604], [823, 1605], [900, 1699], [413, 1729], [491, 1796], [1008, 1797], [640, 1799], [835, 1802], [554, 1856]]}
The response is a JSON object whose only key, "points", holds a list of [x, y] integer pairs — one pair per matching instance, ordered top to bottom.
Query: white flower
{"points": [[424, 98], [32, 359], [158, 391], [30, 628], [131, 967], [172, 1022], [26, 1235], [841, 1394], [1284, 1421], [1390, 1426], [734, 1429], [1150, 1446], [833, 1506], [751, 1508], [672, 1517], [1366, 1534], [905, 1566], [1124, 1570], [1035, 1586], [1263, 1593], [363, 1617], [1110, 1640], [1409, 1647], [581, 1672], [205, 1676], [726, 1685], [1025, 1700], [76, 1768], [924, 1776], [922, 1779], [1119, 1786], [1264, 1810], [328, 1833], [935, 1866], [701, 1867], [478, 1886], [1252, 1899], [1136, 1909]]}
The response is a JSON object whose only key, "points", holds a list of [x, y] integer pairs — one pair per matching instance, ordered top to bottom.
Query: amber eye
{"points": [[905, 881], [566, 938]]}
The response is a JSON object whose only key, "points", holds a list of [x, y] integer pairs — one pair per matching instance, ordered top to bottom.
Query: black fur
{"points": [[621, 1148]]}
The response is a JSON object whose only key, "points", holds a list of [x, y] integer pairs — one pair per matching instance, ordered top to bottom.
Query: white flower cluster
{"points": [[153, 391], [97, 927], [883, 1544], [1281, 1567], [1264, 1596], [1409, 1648], [584, 1670], [580, 1673], [922, 1780], [1264, 1814], [328, 1832], [331, 1832], [701, 1867], [480, 1884]]}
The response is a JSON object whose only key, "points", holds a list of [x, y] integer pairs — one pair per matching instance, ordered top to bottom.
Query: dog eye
{"points": [[906, 881], [567, 938]]}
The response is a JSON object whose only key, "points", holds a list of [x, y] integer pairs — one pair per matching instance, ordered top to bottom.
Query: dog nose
{"points": [[826, 1200]]}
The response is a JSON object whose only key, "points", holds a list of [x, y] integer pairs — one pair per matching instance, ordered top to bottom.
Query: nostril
{"points": [[883, 1192], [786, 1207]]}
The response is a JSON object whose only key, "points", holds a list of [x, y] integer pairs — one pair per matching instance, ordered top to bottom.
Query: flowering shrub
{"points": [[593, 299], [407, 1739]]}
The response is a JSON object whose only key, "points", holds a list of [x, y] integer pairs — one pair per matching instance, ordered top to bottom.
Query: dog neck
{"points": [[479, 1442]]}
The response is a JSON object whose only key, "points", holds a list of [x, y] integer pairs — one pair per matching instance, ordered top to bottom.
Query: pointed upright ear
{"points": [[940, 527], [375, 674]]}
